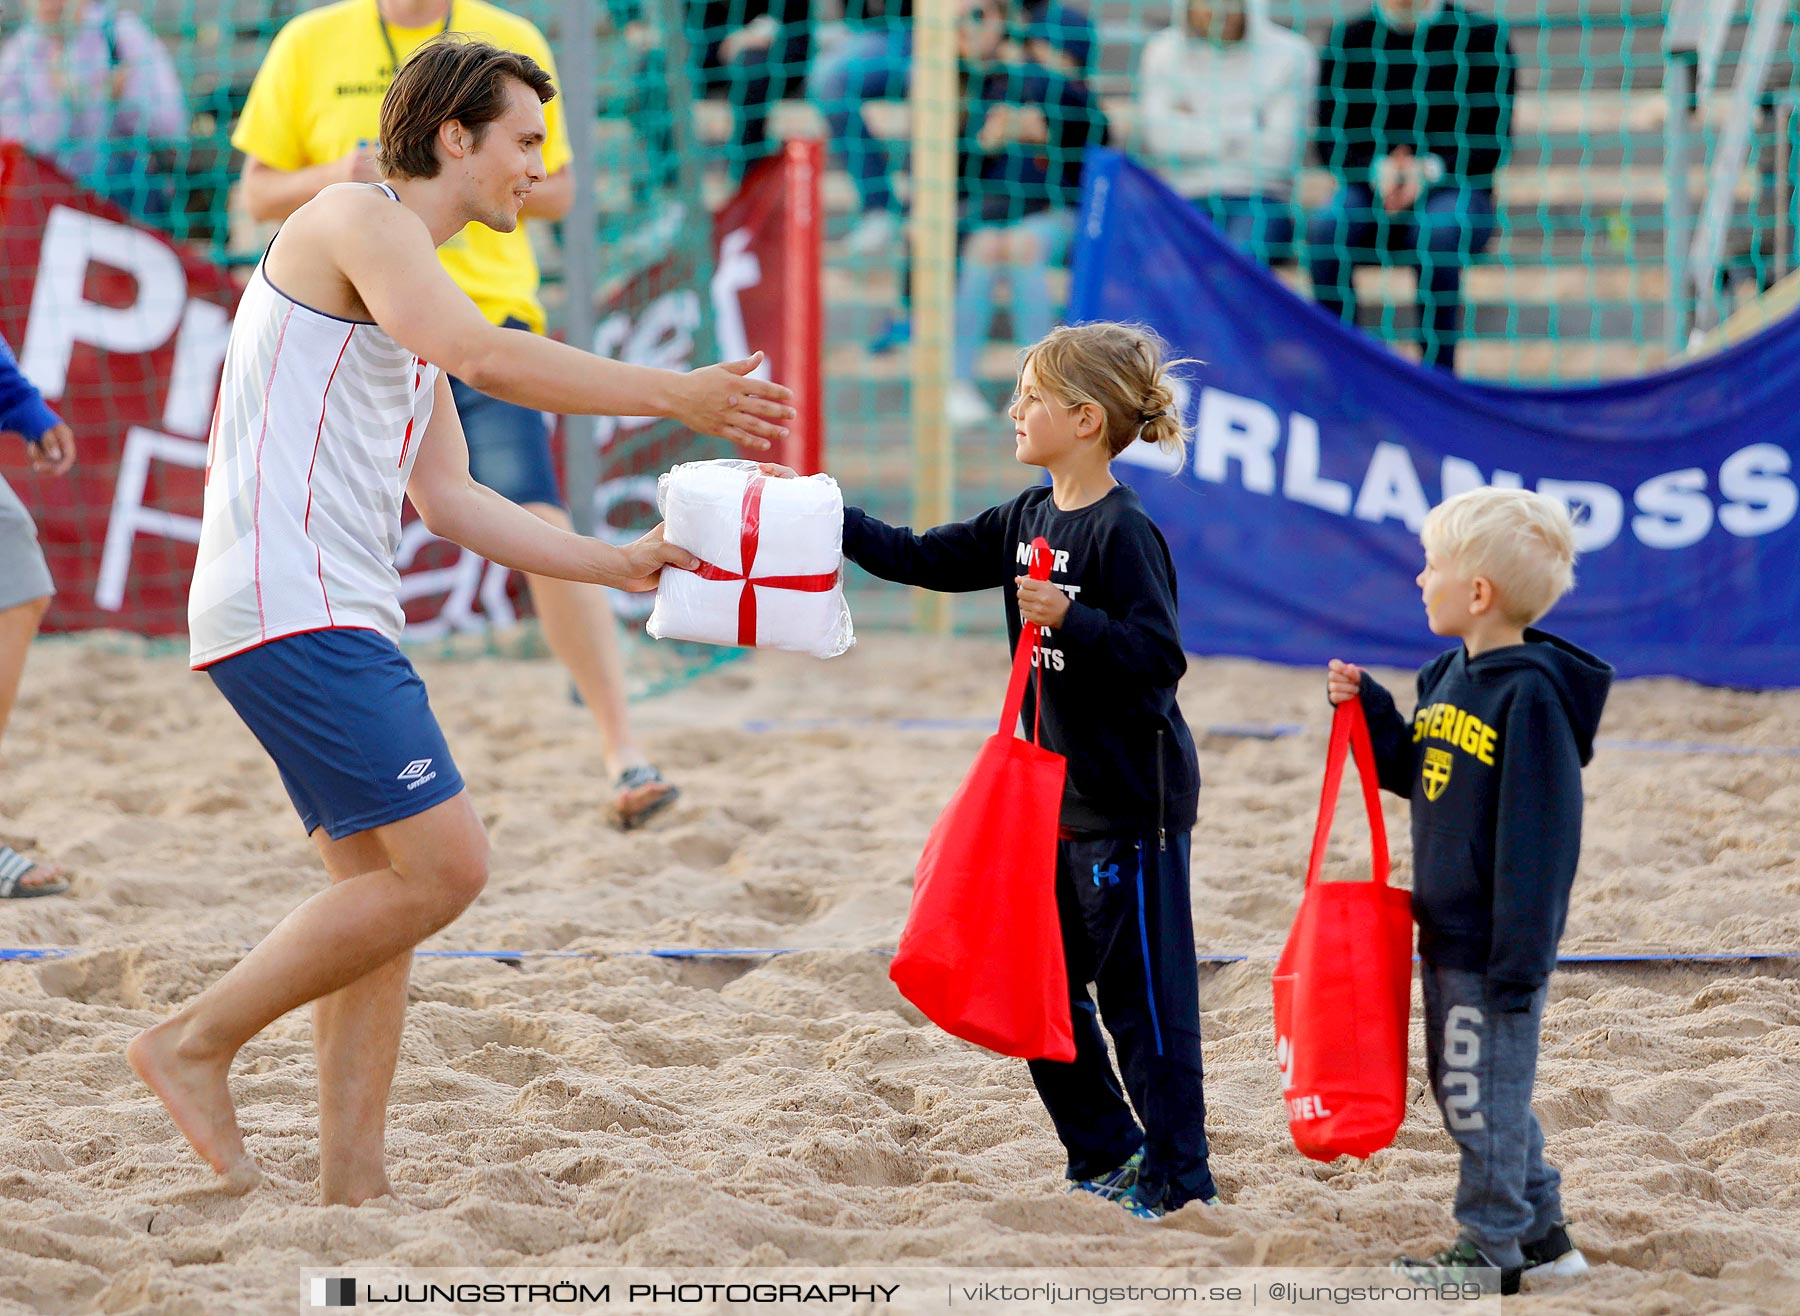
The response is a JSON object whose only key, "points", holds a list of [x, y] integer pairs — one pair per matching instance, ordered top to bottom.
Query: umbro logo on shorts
{"points": [[416, 774]]}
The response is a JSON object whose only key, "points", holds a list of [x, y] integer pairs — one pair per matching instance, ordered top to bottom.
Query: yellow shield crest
{"points": [[1436, 772]]}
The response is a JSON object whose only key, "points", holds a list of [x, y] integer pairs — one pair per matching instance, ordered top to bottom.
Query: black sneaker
{"points": [[1554, 1255], [1463, 1262]]}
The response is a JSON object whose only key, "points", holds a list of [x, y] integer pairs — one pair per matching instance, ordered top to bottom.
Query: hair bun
{"points": [[1121, 369]]}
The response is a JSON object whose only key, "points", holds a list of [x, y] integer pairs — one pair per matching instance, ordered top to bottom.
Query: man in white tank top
{"points": [[334, 406]]}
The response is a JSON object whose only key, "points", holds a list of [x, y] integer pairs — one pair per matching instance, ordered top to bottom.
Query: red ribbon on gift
{"points": [[751, 538]]}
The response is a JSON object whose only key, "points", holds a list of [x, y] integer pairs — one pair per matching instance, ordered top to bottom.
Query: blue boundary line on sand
{"points": [[762, 726], [1245, 731], [1698, 747], [33, 953]]}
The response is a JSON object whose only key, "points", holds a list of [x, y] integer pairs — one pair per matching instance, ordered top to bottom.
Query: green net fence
{"points": [[1540, 190]]}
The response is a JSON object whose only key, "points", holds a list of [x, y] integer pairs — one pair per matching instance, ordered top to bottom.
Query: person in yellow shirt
{"points": [[312, 119]]}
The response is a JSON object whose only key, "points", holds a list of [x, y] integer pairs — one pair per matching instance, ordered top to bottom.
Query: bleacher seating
{"points": [[1573, 287]]}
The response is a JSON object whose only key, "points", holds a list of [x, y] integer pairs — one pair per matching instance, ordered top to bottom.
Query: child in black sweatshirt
{"points": [[1110, 660], [1492, 764]]}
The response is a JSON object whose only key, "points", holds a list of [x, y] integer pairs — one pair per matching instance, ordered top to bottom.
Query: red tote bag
{"points": [[982, 952], [1343, 987]]}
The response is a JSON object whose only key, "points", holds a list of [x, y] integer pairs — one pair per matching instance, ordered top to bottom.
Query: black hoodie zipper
{"points": [[1162, 795]]}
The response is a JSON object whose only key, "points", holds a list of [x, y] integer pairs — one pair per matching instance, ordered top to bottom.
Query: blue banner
{"points": [[1294, 517]]}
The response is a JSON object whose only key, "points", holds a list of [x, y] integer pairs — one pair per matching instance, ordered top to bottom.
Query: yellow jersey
{"points": [[318, 94]]}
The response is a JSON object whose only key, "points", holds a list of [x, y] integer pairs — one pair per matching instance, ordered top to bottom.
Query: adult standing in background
{"points": [[89, 88], [1415, 116], [312, 119], [25, 587]]}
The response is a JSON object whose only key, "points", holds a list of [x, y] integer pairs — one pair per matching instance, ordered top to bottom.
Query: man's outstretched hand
{"points": [[724, 400]]}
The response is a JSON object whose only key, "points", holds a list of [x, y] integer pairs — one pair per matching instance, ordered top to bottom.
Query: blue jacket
{"points": [[22, 406]]}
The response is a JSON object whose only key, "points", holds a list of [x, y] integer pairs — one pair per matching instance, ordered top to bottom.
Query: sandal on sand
{"points": [[639, 795], [15, 868]]}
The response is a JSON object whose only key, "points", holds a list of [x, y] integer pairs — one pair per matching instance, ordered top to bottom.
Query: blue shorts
{"points": [[509, 445], [345, 717]]}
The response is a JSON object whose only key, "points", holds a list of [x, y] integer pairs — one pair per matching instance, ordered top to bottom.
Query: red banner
{"points": [[774, 226], [125, 334]]}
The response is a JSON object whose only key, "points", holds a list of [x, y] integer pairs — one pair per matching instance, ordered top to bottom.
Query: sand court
{"points": [[607, 1107]]}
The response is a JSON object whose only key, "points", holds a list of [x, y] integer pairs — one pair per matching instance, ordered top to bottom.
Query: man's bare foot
{"points": [[195, 1093], [243, 1176], [357, 1192]]}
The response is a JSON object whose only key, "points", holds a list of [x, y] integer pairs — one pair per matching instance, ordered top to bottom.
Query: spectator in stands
{"points": [[1059, 37], [755, 51], [868, 58], [875, 63], [88, 87], [642, 96], [1225, 102], [1415, 115], [311, 120], [1024, 129], [25, 588]]}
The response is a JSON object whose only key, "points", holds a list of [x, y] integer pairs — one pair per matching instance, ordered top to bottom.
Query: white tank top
{"points": [[318, 425]]}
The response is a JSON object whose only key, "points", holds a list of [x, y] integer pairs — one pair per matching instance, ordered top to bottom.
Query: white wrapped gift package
{"points": [[772, 558]]}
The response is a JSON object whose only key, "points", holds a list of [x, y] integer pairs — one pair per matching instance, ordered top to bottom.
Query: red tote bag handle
{"points": [[1028, 643], [1350, 732]]}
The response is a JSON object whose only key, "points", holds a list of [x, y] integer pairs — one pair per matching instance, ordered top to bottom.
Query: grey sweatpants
{"points": [[24, 576], [1482, 1063]]}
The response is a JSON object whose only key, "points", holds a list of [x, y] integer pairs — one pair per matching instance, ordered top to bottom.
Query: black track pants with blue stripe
{"points": [[1128, 928]]}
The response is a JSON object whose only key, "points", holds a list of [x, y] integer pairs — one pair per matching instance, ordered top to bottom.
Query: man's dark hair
{"points": [[449, 77]]}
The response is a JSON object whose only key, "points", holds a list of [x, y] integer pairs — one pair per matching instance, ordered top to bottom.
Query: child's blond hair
{"points": [[1120, 368], [1523, 542]]}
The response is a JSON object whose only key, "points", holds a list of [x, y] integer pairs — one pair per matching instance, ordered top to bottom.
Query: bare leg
{"points": [[18, 625], [581, 631], [356, 926], [356, 1035]]}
